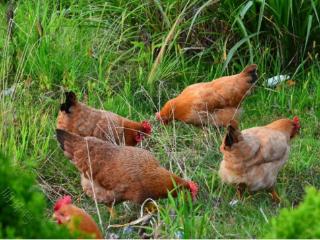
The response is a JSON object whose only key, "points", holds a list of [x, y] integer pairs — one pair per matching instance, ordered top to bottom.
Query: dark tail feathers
{"points": [[252, 71], [71, 100], [61, 134], [232, 135], [65, 137]]}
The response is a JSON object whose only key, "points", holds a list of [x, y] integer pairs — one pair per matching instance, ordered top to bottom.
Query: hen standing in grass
{"points": [[214, 103], [83, 120], [253, 157], [119, 173], [76, 219]]}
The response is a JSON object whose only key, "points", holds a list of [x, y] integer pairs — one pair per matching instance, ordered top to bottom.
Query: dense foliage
{"points": [[22, 206], [301, 222]]}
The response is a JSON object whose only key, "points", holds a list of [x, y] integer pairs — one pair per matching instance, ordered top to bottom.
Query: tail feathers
{"points": [[252, 71], [71, 100], [233, 134], [67, 141]]}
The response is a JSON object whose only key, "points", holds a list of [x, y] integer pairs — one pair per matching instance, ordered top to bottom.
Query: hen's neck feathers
{"points": [[283, 125]]}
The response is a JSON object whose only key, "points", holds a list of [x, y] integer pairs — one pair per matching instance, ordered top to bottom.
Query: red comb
{"points": [[296, 119], [147, 128], [194, 188], [62, 201]]}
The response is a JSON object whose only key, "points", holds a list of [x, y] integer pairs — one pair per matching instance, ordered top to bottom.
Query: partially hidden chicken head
{"points": [[167, 112], [162, 119], [146, 126], [296, 126], [146, 129], [194, 188], [61, 214]]}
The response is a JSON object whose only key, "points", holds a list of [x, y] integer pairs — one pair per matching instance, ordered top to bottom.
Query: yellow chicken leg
{"points": [[240, 190], [274, 195], [150, 208], [113, 212]]}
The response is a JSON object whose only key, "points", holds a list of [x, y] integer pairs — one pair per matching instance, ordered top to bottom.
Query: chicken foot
{"points": [[240, 190], [274, 195], [150, 208], [113, 212]]}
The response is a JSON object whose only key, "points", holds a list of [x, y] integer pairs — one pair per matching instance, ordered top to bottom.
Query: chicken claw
{"points": [[240, 190], [274, 195], [150, 208], [113, 212]]}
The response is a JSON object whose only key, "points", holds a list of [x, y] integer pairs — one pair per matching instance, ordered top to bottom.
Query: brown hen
{"points": [[213, 103], [83, 120], [253, 157], [119, 173], [76, 219]]}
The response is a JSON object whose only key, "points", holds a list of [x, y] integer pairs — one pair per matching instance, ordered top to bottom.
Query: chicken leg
{"points": [[240, 190], [274, 195], [150, 207], [113, 212]]}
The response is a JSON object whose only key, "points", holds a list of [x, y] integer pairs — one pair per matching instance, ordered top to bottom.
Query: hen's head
{"points": [[163, 120], [289, 126], [146, 129], [194, 188], [61, 210]]}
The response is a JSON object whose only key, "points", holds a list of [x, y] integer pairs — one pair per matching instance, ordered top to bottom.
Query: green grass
{"points": [[105, 53]]}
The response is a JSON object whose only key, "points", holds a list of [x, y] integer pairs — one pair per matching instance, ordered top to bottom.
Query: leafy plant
{"points": [[23, 206], [301, 222]]}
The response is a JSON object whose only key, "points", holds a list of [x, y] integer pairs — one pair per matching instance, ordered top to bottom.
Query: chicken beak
{"points": [[56, 219]]}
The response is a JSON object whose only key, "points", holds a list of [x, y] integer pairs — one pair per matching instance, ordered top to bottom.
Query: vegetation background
{"points": [[129, 57]]}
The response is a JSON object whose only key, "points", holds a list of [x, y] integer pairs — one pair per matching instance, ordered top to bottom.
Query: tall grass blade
{"points": [[208, 3], [245, 9], [315, 11], [261, 13], [164, 15], [239, 18], [243, 28], [308, 33], [168, 39], [235, 48]]}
